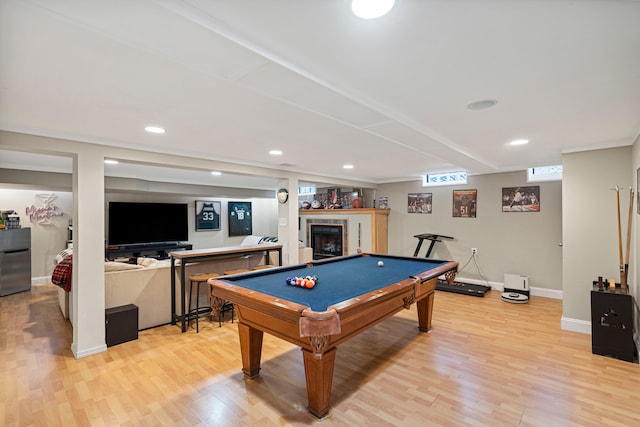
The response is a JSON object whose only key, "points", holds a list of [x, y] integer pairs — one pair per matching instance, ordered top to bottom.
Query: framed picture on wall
{"points": [[521, 199], [383, 202], [419, 203], [464, 203], [207, 215], [240, 218]]}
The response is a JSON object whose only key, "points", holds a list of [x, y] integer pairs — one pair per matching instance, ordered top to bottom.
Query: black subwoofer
{"points": [[121, 324]]}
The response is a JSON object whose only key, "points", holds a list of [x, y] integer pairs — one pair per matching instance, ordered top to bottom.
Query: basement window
{"points": [[545, 173], [450, 178], [306, 191]]}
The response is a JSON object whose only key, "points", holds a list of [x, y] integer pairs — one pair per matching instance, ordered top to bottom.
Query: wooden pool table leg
{"points": [[425, 312], [251, 349], [318, 371]]}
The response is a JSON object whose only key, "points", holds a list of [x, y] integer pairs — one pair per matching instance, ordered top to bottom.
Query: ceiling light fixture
{"points": [[371, 9], [482, 104], [154, 129], [519, 142], [275, 152], [110, 162], [347, 166], [216, 173]]}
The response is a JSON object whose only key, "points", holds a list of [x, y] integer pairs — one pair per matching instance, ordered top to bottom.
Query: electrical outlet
{"points": [[474, 251]]}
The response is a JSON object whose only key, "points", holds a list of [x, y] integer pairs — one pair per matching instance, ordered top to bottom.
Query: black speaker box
{"points": [[121, 324], [612, 325]]}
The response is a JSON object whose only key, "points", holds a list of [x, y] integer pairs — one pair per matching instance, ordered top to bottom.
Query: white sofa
{"points": [[148, 283], [148, 287]]}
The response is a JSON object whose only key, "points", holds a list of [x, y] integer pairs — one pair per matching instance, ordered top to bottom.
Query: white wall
{"points": [[590, 232], [46, 239], [507, 242], [634, 272]]}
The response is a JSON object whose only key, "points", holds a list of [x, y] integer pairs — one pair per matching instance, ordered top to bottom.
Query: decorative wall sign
{"points": [[521, 199], [419, 203], [464, 203], [43, 214], [207, 215], [240, 218]]}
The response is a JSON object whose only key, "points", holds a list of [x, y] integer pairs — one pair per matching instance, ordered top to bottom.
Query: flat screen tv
{"points": [[132, 222]]}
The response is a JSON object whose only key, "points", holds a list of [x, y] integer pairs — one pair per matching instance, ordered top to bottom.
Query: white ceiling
{"points": [[230, 80]]}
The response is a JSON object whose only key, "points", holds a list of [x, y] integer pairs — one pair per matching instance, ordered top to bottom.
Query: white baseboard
{"points": [[40, 280], [494, 285], [499, 286], [546, 293], [575, 325], [87, 352]]}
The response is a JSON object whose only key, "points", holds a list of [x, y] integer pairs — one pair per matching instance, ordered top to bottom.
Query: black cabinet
{"points": [[121, 324], [612, 324]]}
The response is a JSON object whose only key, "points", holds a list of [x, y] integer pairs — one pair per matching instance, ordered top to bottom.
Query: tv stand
{"points": [[159, 250]]}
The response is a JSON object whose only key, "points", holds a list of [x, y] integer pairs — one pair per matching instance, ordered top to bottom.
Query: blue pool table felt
{"points": [[338, 280]]}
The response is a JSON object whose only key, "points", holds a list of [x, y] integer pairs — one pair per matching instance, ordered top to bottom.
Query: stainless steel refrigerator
{"points": [[15, 260]]}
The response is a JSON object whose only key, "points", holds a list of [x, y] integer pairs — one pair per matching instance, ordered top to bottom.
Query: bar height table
{"points": [[207, 255]]}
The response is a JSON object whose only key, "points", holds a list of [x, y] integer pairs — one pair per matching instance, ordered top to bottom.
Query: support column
{"points": [[288, 222], [88, 253]]}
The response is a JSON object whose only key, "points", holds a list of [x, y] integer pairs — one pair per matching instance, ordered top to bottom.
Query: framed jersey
{"points": [[207, 215], [240, 218]]}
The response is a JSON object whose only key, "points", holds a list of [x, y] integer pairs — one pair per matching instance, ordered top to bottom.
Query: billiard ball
{"points": [[380, 263]]}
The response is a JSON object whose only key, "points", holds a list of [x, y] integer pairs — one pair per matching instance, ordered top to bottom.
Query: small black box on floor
{"points": [[121, 324], [612, 324]]}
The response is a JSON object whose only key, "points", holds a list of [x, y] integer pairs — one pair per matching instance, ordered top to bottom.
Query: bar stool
{"points": [[226, 306], [197, 311]]}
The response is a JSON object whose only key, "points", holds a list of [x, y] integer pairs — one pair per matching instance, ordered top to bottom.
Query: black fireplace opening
{"points": [[326, 240]]}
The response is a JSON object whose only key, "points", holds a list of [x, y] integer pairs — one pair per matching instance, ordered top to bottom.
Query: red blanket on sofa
{"points": [[62, 273]]}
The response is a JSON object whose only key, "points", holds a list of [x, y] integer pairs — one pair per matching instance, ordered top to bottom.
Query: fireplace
{"points": [[327, 239]]}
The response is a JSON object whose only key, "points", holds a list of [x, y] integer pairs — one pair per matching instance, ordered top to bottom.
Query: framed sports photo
{"points": [[521, 199], [419, 203], [464, 203], [207, 215], [240, 218]]}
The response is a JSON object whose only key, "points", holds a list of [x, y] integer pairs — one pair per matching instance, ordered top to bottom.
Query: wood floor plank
{"points": [[485, 363]]}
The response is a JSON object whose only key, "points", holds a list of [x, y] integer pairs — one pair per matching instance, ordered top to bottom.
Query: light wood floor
{"points": [[486, 363]]}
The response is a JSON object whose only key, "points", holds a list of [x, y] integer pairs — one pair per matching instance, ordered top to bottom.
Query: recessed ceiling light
{"points": [[371, 9], [482, 104], [154, 129], [519, 142], [275, 152], [110, 162], [347, 166], [216, 173]]}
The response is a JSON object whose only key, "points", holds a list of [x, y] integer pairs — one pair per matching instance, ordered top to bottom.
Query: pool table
{"points": [[352, 294]]}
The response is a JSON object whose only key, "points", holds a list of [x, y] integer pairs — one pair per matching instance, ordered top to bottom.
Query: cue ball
{"points": [[380, 263]]}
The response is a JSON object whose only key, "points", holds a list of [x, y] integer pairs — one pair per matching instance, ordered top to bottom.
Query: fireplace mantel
{"points": [[360, 211], [367, 226]]}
